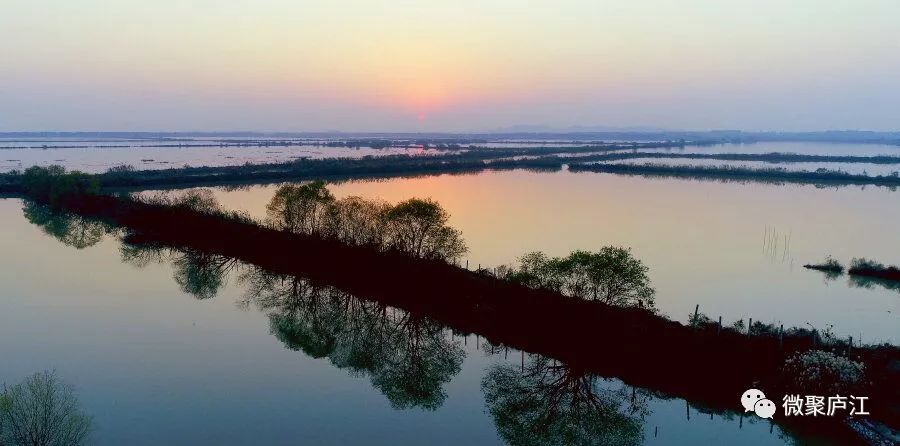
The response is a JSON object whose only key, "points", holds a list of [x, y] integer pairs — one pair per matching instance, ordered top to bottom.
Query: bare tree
{"points": [[42, 411]]}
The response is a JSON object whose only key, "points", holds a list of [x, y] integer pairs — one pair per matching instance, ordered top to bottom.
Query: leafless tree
{"points": [[42, 411]]}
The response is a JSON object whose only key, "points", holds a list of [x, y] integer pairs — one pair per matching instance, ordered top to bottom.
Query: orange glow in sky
{"points": [[456, 65]]}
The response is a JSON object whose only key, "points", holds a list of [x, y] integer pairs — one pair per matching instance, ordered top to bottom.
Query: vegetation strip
{"points": [[763, 157], [304, 168], [742, 173]]}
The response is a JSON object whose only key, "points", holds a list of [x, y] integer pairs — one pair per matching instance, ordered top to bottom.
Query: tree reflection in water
{"points": [[70, 229], [197, 273], [873, 283], [407, 358], [546, 403]]}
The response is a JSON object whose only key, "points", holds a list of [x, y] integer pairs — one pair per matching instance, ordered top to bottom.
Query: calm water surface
{"points": [[91, 155], [100, 159], [735, 249], [159, 358]]}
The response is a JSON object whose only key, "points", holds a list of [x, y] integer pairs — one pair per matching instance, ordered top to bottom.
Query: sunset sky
{"points": [[459, 65]]}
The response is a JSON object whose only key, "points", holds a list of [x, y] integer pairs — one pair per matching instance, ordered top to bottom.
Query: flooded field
{"points": [[736, 250], [170, 357]]}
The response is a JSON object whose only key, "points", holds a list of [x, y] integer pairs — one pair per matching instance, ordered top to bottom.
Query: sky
{"points": [[457, 65]]}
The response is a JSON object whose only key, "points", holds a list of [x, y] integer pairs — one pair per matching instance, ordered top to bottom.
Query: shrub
{"points": [[53, 184], [299, 209], [417, 227], [863, 264], [829, 265], [612, 276], [823, 373]]}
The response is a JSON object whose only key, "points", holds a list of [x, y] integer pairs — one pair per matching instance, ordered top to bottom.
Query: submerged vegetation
{"points": [[774, 157], [458, 159], [724, 172], [830, 265], [871, 268], [864, 273]]}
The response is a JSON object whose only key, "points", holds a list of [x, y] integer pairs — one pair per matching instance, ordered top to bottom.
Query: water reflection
{"points": [[72, 230], [198, 273], [873, 283], [408, 358], [411, 359], [548, 403]]}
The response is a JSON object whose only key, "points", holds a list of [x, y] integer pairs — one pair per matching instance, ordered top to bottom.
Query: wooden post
{"points": [[467, 263], [696, 311], [749, 326], [719, 330], [781, 336], [849, 345], [505, 352], [523, 360], [687, 410], [655, 431]]}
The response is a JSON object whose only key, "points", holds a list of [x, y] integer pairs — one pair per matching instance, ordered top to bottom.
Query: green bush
{"points": [[53, 184], [611, 275]]}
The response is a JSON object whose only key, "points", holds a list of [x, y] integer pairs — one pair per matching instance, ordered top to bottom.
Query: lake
{"points": [[736, 250], [154, 364]]}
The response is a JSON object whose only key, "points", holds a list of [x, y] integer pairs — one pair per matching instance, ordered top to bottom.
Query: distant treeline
{"points": [[764, 157], [479, 159], [304, 168], [819, 176]]}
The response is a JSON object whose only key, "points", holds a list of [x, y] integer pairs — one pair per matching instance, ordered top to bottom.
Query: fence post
{"points": [[696, 311], [749, 326], [719, 330], [781, 336], [849, 345]]}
